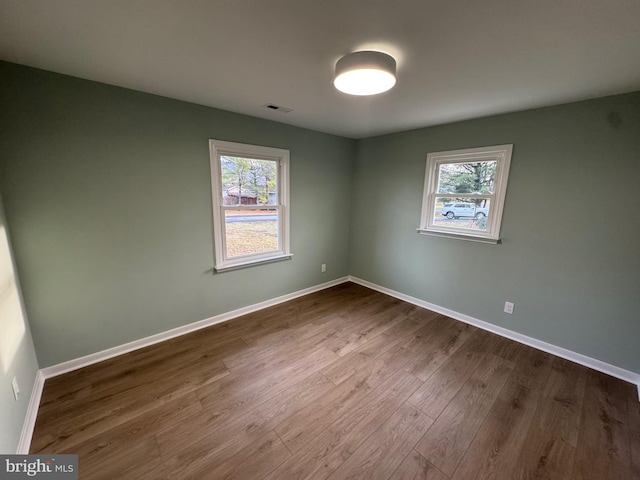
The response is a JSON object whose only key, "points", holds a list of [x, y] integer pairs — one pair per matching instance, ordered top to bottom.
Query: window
{"points": [[250, 189], [464, 193]]}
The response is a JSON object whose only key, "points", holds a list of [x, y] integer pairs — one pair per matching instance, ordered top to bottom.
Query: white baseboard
{"points": [[87, 360], [598, 365], [65, 367], [32, 414]]}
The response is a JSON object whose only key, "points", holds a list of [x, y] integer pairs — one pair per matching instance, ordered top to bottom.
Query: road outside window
{"points": [[250, 191], [464, 193]]}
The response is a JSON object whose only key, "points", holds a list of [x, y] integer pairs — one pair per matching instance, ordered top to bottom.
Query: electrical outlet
{"points": [[323, 267], [508, 307], [16, 389]]}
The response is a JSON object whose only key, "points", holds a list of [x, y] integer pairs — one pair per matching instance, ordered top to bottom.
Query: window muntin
{"points": [[464, 193], [250, 204]]}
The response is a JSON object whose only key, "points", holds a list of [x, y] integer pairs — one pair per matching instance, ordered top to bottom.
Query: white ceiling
{"points": [[457, 59]]}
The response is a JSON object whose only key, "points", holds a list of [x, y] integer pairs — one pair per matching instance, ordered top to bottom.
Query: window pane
{"points": [[476, 177], [248, 181], [466, 213], [251, 231]]}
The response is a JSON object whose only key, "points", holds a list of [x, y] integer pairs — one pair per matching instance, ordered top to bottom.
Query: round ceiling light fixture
{"points": [[365, 73]]}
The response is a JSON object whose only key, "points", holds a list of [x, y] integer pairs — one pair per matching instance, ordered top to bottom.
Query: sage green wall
{"points": [[107, 192], [107, 196], [570, 258], [17, 353]]}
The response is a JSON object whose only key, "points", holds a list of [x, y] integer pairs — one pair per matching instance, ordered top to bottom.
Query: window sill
{"points": [[460, 236], [251, 263]]}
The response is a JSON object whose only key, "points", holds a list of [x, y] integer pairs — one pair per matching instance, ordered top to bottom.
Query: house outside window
{"points": [[250, 192], [464, 193]]}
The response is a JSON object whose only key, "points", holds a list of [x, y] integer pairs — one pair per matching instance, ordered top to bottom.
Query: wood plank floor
{"points": [[341, 384]]}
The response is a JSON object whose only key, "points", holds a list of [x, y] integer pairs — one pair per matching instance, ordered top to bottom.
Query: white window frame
{"points": [[219, 148], [498, 153]]}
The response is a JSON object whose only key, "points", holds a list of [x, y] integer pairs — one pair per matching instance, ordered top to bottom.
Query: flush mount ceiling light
{"points": [[365, 73]]}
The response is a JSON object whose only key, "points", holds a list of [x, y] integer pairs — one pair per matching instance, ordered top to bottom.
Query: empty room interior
{"points": [[228, 252]]}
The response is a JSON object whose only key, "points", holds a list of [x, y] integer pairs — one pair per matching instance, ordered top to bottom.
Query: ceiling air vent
{"points": [[277, 108]]}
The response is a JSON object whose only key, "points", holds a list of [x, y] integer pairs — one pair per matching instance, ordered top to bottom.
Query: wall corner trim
{"points": [[621, 373], [32, 413]]}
